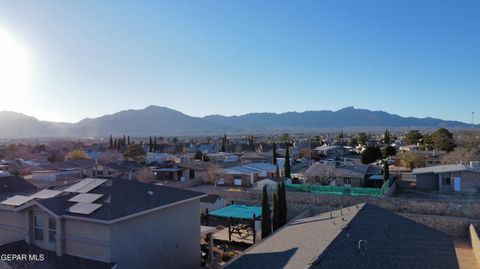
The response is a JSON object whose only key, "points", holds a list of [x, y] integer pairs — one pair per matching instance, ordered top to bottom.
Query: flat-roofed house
{"points": [[448, 178], [114, 223]]}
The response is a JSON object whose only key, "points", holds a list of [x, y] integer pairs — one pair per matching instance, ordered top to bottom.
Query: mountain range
{"points": [[157, 120]]}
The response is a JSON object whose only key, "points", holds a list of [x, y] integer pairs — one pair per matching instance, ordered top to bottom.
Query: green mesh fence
{"points": [[341, 190]]}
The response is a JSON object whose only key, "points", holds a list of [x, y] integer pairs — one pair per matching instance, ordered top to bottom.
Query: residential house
{"points": [[332, 151], [155, 157], [255, 157], [123, 169], [267, 169], [354, 175], [239, 176], [448, 178], [12, 185], [211, 202], [112, 223], [361, 236]]}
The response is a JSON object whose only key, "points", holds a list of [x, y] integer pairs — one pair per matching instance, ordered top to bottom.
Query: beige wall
{"points": [[470, 182], [12, 226], [166, 238], [86, 239], [475, 242]]}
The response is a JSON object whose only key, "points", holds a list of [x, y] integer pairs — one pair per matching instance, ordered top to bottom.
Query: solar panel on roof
{"points": [[79, 185], [91, 185], [44, 194], [85, 197], [17, 200], [84, 208]]}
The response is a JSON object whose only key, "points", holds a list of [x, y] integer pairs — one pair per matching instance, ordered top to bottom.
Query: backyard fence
{"points": [[341, 190]]}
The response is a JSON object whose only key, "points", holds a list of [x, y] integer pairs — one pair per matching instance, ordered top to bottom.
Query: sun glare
{"points": [[14, 68]]}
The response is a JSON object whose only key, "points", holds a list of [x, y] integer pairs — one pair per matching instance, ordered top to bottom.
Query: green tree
{"points": [[340, 136], [386, 137], [412, 137], [285, 138], [362, 138], [128, 140], [175, 140], [443, 140], [224, 141], [427, 141], [111, 142], [150, 144], [155, 146], [389, 151], [135, 153], [274, 153], [370, 155], [287, 162], [386, 171], [282, 201], [276, 213], [266, 216]]}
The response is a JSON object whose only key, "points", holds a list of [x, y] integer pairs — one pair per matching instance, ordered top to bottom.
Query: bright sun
{"points": [[14, 68]]}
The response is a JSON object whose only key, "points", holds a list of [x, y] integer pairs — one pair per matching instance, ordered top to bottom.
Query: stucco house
{"points": [[332, 151], [123, 169], [354, 175], [448, 178], [211, 202], [113, 223]]}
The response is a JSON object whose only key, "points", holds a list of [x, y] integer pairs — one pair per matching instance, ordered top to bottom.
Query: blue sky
{"points": [[89, 58]]}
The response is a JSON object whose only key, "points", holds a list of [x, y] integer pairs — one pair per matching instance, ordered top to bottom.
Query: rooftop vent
{"points": [[362, 246]]}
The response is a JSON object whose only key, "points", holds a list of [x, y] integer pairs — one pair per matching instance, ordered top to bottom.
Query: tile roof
{"points": [[122, 198], [331, 240], [50, 261]]}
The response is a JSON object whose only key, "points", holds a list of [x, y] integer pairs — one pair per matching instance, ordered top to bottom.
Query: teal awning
{"points": [[238, 212]]}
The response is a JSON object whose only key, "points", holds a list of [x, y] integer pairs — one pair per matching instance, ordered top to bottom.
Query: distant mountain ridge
{"points": [[157, 120]]}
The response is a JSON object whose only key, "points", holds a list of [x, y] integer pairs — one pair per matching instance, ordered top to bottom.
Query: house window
{"points": [[446, 180], [347, 181], [38, 228], [52, 229]]}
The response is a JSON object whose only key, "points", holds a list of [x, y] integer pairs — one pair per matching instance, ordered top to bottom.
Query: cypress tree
{"points": [[386, 137], [128, 139], [124, 141], [224, 141], [111, 142], [150, 144], [155, 144], [274, 153], [287, 162], [386, 171], [283, 204], [276, 213], [266, 217]]}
